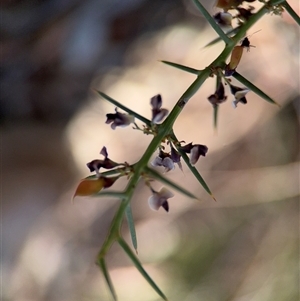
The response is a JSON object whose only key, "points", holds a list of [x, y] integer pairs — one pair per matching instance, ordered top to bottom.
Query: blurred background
{"points": [[243, 247]]}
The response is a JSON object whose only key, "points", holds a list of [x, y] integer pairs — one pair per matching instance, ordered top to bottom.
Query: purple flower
{"points": [[224, 20], [239, 95], [219, 96], [158, 114], [119, 119], [195, 151], [163, 159], [95, 165], [160, 199]]}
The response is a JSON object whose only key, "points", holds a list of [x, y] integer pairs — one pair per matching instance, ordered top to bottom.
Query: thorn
{"points": [[213, 198]]}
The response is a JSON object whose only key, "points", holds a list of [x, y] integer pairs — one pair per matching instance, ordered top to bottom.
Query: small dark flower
{"points": [[244, 14], [224, 20], [239, 95], [219, 96], [158, 114], [119, 119], [195, 151], [163, 159], [95, 165], [160, 199]]}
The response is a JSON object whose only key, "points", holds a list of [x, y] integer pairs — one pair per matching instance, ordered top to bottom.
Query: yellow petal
{"points": [[89, 187]]}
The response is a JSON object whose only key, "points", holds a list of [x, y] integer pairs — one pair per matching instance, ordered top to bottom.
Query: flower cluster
{"points": [[242, 15], [224, 19], [219, 96], [118, 119], [168, 160], [93, 185], [160, 198]]}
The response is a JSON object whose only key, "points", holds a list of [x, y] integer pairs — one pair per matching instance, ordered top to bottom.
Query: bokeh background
{"points": [[243, 247]]}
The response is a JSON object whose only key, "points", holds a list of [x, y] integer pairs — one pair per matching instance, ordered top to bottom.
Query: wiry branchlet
{"points": [[239, 95], [219, 96], [158, 113], [119, 119], [195, 151], [106, 163], [160, 199]]}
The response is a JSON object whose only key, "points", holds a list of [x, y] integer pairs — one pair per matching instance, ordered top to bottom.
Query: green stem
{"points": [[291, 12], [212, 22], [166, 127]]}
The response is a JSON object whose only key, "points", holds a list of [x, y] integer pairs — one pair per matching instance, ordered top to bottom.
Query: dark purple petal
{"points": [[219, 95], [156, 102], [159, 115], [187, 148], [197, 151], [103, 152], [175, 156], [168, 164], [94, 165], [108, 182], [165, 205]]}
